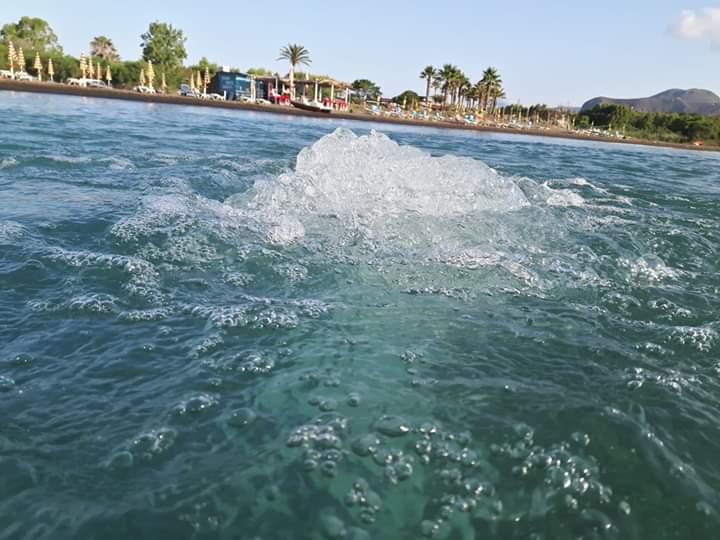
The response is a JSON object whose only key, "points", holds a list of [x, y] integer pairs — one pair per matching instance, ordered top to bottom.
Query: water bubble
{"points": [[22, 360], [6, 383], [353, 399], [196, 404], [328, 405], [242, 417], [392, 426], [581, 438], [153, 442], [365, 445], [121, 460], [328, 468], [571, 502], [624, 507], [704, 508], [367, 517], [332, 527], [429, 529]]}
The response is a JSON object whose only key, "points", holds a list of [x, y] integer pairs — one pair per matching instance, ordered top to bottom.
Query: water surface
{"points": [[218, 324]]}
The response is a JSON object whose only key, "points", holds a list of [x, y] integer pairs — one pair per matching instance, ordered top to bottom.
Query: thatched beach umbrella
{"points": [[12, 57], [21, 60], [83, 65], [38, 66], [91, 68], [51, 70], [150, 73], [108, 76], [207, 79], [142, 80]]}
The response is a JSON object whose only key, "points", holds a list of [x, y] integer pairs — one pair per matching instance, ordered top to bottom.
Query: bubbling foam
{"points": [[371, 188]]}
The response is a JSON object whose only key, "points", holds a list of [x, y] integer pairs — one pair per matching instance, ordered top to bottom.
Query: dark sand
{"points": [[57, 88]]}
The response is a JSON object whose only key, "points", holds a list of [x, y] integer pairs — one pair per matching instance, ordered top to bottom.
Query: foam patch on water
{"points": [[8, 162], [375, 188], [10, 232], [648, 268], [144, 279], [82, 303], [255, 312]]}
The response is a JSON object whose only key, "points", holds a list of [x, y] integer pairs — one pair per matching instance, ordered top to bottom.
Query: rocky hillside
{"points": [[694, 101]]}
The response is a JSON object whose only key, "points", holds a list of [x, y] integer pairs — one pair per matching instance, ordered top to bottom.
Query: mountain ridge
{"points": [[675, 100]]}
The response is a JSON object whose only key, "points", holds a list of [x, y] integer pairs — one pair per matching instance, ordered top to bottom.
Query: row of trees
{"points": [[161, 44], [458, 91], [672, 127]]}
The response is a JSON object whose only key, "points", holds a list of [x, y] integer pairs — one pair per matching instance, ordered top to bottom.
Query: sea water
{"points": [[216, 324]]}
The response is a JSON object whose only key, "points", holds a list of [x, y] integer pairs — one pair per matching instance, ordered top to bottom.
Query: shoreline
{"points": [[128, 95]]}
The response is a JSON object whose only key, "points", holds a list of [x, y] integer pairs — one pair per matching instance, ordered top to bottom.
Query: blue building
{"points": [[231, 85]]}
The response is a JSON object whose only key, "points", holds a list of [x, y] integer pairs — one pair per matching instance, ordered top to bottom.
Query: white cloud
{"points": [[699, 25]]}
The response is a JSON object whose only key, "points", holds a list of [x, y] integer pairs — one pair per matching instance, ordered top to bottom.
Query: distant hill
{"points": [[694, 101]]}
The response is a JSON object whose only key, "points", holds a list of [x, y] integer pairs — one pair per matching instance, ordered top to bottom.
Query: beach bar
{"points": [[231, 85]]}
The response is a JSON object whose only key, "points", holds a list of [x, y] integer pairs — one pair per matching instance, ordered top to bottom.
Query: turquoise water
{"points": [[218, 324]]}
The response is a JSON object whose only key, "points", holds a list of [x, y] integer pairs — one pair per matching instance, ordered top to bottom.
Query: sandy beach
{"points": [[59, 88]]}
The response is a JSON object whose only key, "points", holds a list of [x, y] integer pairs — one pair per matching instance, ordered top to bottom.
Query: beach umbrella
{"points": [[12, 57], [21, 60], [83, 65], [38, 66], [91, 68], [51, 69], [150, 73], [108, 75], [142, 77], [207, 79], [164, 84]]}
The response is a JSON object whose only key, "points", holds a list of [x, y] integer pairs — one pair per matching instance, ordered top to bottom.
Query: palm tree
{"points": [[103, 47], [296, 55], [429, 75], [447, 76], [463, 87], [493, 87]]}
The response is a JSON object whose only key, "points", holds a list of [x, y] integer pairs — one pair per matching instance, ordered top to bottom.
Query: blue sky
{"points": [[555, 52]]}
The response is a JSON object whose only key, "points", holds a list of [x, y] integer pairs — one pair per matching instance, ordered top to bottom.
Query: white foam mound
{"points": [[369, 184]]}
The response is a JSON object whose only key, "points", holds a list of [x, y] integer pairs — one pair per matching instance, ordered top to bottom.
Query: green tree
{"points": [[32, 34], [164, 46], [103, 47], [295, 54], [203, 64], [260, 72], [126, 74], [428, 74], [366, 89], [408, 96]]}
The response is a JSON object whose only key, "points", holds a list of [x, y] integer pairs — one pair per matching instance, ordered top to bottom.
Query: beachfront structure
{"points": [[232, 85], [236, 85]]}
